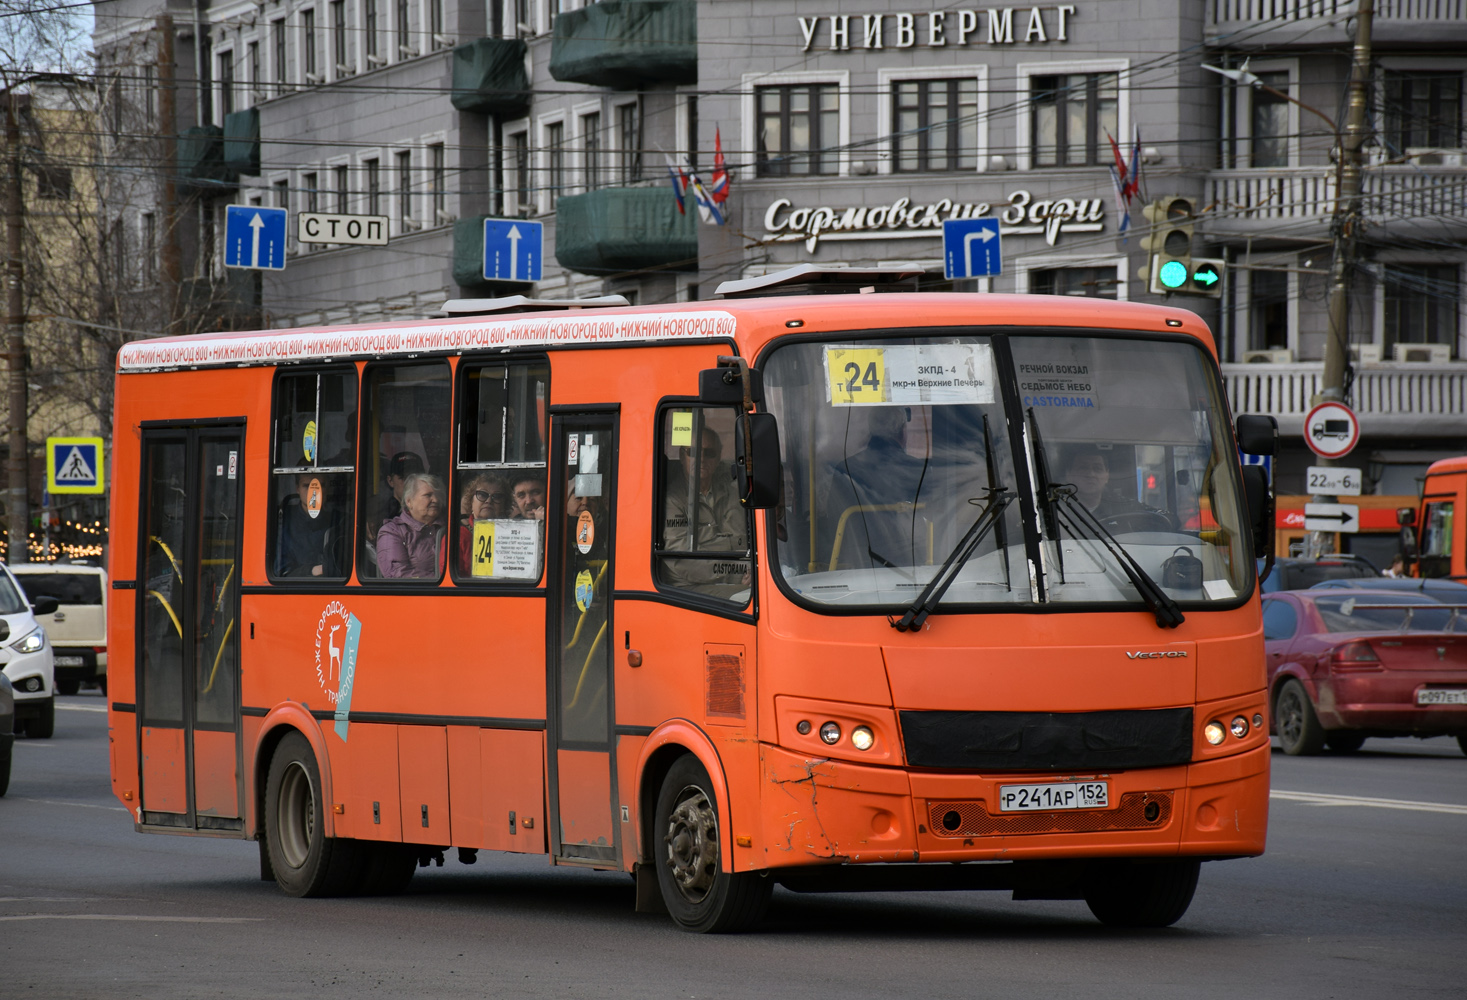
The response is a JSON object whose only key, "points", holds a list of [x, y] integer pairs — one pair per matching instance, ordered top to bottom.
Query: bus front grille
{"points": [[1137, 811]]}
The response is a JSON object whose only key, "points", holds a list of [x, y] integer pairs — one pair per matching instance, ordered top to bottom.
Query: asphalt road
{"points": [[1363, 893]]}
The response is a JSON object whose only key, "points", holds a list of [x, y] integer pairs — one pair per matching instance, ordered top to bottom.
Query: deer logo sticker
{"points": [[339, 632]]}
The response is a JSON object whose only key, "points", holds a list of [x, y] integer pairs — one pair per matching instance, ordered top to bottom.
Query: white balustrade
{"points": [[1386, 396]]}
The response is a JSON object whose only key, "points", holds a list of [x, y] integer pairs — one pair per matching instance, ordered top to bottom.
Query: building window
{"points": [[435, 22], [522, 26], [369, 28], [338, 36], [277, 37], [404, 38], [308, 39], [226, 83], [257, 91], [1423, 109], [1071, 115], [935, 124], [797, 127], [692, 139], [629, 140], [1268, 142], [591, 147], [554, 162], [519, 165], [437, 184], [374, 186], [405, 188], [343, 190], [313, 192], [282, 194], [150, 248], [1088, 282], [1422, 302], [1268, 310]]}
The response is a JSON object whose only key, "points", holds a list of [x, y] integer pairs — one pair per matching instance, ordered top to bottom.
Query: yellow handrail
{"points": [[863, 508], [169, 553], [167, 607], [218, 656], [586, 667]]}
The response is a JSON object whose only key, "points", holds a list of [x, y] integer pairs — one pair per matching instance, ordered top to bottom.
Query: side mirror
{"points": [[723, 386], [1258, 435], [756, 449], [1260, 509], [1405, 516], [45, 605]]}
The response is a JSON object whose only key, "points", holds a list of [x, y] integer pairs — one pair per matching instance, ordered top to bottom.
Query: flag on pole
{"points": [[1120, 180], [1134, 182], [679, 183], [718, 188], [708, 206]]}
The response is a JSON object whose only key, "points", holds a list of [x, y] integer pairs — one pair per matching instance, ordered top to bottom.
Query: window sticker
{"points": [[924, 374], [1064, 385], [682, 428], [308, 442], [572, 449], [590, 460], [234, 465], [313, 498], [585, 532], [506, 550], [583, 589]]}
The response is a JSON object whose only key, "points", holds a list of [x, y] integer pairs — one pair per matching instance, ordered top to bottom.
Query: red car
{"points": [[1347, 664]]}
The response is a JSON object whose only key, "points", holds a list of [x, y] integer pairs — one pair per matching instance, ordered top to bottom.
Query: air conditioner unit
{"points": [[1429, 156], [1365, 354], [1431, 354], [1281, 356]]}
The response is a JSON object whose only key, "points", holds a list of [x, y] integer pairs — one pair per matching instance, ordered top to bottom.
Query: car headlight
{"points": [[32, 642]]}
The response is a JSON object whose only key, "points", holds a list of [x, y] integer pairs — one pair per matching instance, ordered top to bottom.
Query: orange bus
{"points": [[1438, 552], [836, 591]]}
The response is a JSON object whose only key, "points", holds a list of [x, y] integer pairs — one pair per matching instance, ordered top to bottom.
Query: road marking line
{"points": [[80, 708], [1323, 799], [63, 802], [133, 917]]}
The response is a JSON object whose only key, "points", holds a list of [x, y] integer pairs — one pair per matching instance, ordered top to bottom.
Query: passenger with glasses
{"points": [[484, 498]]}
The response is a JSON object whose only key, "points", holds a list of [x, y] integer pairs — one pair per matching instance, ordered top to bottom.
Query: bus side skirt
{"points": [[282, 718]]}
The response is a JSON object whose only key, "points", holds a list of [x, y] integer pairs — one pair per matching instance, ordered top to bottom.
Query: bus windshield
{"points": [[1090, 458]]}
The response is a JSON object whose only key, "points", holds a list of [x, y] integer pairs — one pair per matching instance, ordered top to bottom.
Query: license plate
{"points": [[71, 661], [1442, 696], [1054, 795]]}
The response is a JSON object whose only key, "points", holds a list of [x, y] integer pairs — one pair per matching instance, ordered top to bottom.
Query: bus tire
{"points": [[1300, 733], [1344, 740], [305, 860], [386, 868], [1141, 894], [700, 896]]}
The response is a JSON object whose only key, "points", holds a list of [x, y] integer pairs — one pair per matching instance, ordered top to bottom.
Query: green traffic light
{"points": [[1173, 274], [1206, 276]]}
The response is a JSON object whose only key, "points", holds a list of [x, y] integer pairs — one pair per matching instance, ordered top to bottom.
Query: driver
{"points": [[1085, 467]]}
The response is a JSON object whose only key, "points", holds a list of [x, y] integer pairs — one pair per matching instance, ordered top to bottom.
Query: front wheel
{"points": [[43, 726], [1300, 733], [305, 860], [1140, 893], [699, 894]]}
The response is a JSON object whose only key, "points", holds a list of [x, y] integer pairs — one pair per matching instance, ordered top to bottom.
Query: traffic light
{"points": [[1168, 244]]}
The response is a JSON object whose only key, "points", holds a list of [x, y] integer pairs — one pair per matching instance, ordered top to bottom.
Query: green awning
{"points": [[623, 44], [489, 77], [242, 142], [201, 154], [625, 229]]}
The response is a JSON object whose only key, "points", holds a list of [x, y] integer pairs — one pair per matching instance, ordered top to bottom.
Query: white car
{"points": [[78, 629], [26, 658]]}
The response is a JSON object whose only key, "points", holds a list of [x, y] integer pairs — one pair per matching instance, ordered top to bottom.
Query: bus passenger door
{"points": [[579, 628], [188, 634]]}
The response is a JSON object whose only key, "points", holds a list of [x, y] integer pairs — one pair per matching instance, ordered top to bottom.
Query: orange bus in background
{"points": [[1438, 549], [833, 591]]}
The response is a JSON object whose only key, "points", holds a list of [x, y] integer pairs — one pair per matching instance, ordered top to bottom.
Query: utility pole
{"points": [[168, 114], [1345, 229], [17, 493]]}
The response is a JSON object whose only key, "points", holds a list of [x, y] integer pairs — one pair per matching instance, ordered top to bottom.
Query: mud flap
{"points": [[649, 893]]}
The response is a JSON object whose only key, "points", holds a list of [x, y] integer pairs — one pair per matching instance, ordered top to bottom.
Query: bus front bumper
{"points": [[826, 811]]}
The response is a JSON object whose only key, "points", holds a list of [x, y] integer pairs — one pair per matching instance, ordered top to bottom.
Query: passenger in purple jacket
{"points": [[410, 546]]}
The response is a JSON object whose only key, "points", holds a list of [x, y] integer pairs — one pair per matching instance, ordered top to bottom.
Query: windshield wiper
{"points": [[1062, 497], [998, 498]]}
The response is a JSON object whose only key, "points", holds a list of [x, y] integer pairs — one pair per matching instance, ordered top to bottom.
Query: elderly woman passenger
{"points": [[410, 546]]}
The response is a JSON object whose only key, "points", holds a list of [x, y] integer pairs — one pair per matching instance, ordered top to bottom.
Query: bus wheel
{"points": [[1300, 733], [1344, 740], [306, 862], [386, 868], [699, 894], [1141, 894]]}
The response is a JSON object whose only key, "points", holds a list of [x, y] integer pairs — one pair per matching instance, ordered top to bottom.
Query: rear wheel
{"points": [[68, 687], [43, 726], [1300, 733], [1344, 740], [305, 860], [1140, 893], [699, 894]]}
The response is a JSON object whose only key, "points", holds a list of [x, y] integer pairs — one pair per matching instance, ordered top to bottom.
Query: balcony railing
{"points": [[1396, 18], [624, 43], [489, 77], [1244, 199], [624, 229], [1390, 398]]}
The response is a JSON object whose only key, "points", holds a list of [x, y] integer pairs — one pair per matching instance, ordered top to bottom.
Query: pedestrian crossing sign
{"points": [[74, 465]]}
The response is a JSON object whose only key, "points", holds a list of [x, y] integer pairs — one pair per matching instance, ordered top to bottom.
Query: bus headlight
{"points": [[32, 642], [1239, 727], [1214, 732], [830, 733], [862, 738]]}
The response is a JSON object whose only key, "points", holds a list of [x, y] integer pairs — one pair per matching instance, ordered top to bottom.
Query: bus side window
{"points": [[499, 472], [313, 474], [405, 508], [703, 532], [1436, 540]]}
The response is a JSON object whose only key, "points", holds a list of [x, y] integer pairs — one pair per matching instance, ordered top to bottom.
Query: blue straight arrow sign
{"points": [[254, 237], [971, 248], [513, 250]]}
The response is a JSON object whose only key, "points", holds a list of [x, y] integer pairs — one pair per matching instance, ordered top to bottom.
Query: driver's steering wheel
{"points": [[1137, 520]]}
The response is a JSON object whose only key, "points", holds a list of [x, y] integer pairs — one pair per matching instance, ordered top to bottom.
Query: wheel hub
{"points": [[297, 815], [692, 843]]}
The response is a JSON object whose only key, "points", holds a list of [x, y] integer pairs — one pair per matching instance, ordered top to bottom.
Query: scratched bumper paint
{"points": [[348, 675]]}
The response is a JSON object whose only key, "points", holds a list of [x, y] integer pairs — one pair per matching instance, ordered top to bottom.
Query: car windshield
{"points": [[893, 448], [67, 588], [11, 600], [1364, 611]]}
